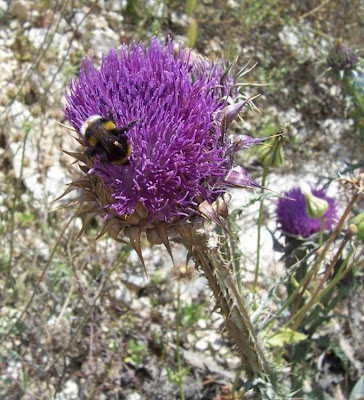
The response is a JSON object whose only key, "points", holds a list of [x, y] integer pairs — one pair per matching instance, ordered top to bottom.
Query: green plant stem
{"points": [[190, 7], [358, 99], [14, 205], [260, 221], [339, 226], [321, 235], [321, 256], [343, 271], [307, 278], [273, 292], [284, 306], [300, 315], [5, 337], [178, 343]]}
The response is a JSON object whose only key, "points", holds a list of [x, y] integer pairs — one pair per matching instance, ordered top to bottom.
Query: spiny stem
{"points": [[231, 303]]}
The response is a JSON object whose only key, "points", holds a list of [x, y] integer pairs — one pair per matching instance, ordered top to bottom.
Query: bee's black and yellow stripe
{"points": [[104, 139]]}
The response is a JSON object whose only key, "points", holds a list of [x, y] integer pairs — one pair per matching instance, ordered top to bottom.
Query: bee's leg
{"points": [[128, 127], [91, 152], [103, 157]]}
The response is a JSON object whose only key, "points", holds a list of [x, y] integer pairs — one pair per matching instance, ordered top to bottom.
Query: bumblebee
{"points": [[104, 139]]}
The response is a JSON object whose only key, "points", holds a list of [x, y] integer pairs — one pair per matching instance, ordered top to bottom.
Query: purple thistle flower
{"points": [[342, 58], [180, 153], [292, 216]]}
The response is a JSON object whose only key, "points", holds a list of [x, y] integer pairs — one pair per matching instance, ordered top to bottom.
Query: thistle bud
{"points": [[342, 58], [270, 153], [315, 206], [358, 221]]}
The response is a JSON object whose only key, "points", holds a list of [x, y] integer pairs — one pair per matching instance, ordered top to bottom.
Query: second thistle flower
{"points": [[292, 213]]}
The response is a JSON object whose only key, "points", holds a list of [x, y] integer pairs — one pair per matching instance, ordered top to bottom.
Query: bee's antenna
{"points": [[111, 115]]}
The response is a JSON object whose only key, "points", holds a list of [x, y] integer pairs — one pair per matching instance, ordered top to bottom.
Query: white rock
{"points": [[233, 4], [117, 5], [3, 6], [156, 7], [179, 19], [79, 21], [289, 37], [296, 37], [39, 38], [102, 40], [335, 90], [292, 116], [214, 340], [201, 345], [70, 391], [133, 396]]}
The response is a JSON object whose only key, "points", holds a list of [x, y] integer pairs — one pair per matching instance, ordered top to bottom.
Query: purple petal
{"points": [[238, 177], [292, 217]]}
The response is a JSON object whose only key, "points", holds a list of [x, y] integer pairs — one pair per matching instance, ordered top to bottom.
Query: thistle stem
{"points": [[260, 221], [322, 227], [320, 257], [230, 302], [300, 315], [178, 343]]}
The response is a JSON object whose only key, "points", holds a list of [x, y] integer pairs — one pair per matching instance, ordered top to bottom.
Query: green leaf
{"points": [[285, 336], [358, 390]]}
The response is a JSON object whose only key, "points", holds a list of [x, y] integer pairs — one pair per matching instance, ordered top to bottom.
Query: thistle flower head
{"points": [[342, 58], [177, 107], [292, 214]]}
